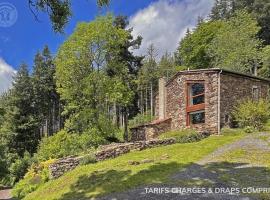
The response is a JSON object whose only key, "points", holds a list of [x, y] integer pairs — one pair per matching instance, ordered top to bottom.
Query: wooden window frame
{"points": [[193, 108]]}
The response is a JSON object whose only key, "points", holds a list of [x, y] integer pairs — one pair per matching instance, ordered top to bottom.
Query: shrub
{"points": [[252, 114], [140, 119], [249, 129], [184, 136], [62, 144], [65, 144], [88, 159], [3, 162], [18, 168], [8, 175], [37, 175]]}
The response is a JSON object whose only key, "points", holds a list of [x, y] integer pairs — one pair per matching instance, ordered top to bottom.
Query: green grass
{"points": [[232, 131], [177, 133], [183, 136], [117, 175]]}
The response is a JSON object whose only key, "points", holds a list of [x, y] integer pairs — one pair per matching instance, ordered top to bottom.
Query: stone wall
{"points": [[234, 88], [176, 100], [151, 130], [112, 151], [64, 165], [61, 166]]}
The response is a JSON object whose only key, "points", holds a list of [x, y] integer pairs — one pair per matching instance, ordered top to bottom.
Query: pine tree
{"points": [[222, 9], [133, 64], [166, 66], [148, 79], [46, 100], [20, 127]]}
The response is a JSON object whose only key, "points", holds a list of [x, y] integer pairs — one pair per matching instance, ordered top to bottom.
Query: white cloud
{"points": [[164, 22], [6, 74]]}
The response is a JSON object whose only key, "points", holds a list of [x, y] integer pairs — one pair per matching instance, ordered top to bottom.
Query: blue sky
{"points": [[162, 22], [20, 42]]}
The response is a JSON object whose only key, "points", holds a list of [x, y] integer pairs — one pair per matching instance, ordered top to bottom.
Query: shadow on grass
{"points": [[219, 174]]}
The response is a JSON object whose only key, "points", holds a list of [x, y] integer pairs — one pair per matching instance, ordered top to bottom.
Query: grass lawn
{"points": [[118, 175]]}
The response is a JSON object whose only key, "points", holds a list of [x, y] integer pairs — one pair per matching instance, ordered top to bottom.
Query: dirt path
{"points": [[215, 173], [5, 194]]}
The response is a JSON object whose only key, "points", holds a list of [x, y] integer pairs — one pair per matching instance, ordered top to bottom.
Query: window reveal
{"points": [[255, 93], [195, 102]]}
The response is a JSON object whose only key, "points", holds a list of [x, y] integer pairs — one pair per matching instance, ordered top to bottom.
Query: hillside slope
{"points": [[123, 173]]}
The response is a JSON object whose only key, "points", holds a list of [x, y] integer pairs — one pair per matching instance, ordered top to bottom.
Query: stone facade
{"points": [[235, 88], [223, 89], [176, 100], [151, 130]]}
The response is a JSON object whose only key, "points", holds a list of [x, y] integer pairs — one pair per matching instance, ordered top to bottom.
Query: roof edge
{"points": [[216, 70]]}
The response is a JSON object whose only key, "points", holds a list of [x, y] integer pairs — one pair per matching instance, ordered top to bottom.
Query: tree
{"points": [[224, 9], [59, 11], [235, 45], [192, 50], [82, 65], [132, 65], [166, 66], [265, 70], [147, 80], [46, 100], [19, 130], [3, 148]]}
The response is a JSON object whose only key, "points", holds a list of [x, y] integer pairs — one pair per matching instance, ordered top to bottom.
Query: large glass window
{"points": [[195, 102]]}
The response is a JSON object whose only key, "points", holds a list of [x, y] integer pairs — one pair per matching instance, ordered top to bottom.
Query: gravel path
{"points": [[249, 142], [207, 172], [5, 194]]}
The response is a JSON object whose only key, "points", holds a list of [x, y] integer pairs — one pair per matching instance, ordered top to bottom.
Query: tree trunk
{"points": [[146, 101], [151, 101], [142, 106], [125, 116], [114, 117], [46, 127]]}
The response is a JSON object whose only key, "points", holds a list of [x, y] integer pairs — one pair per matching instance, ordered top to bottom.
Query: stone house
{"points": [[202, 99]]}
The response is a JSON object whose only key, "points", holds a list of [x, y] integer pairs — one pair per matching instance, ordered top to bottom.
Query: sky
{"points": [[161, 22]]}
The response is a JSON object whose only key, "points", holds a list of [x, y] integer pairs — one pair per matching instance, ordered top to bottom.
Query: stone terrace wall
{"points": [[151, 130], [112, 151], [61, 166]]}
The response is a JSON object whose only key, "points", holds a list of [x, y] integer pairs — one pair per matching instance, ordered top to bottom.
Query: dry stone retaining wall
{"points": [[151, 130], [61, 166]]}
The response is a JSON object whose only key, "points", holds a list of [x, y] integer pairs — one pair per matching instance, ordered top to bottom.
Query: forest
{"points": [[95, 88]]}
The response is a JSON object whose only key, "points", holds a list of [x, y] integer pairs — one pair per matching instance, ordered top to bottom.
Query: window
{"points": [[255, 92], [196, 93], [195, 102], [197, 117]]}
